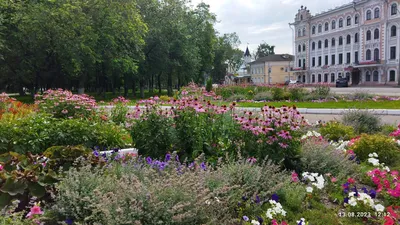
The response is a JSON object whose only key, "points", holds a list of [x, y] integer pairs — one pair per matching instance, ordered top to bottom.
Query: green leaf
{"points": [[48, 179], [14, 187], [36, 189], [5, 199]]}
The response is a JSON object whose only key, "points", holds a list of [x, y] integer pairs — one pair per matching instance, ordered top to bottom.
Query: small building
{"points": [[272, 69], [241, 76]]}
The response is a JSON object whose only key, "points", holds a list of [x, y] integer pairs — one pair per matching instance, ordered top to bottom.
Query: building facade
{"points": [[359, 40], [275, 68], [242, 75]]}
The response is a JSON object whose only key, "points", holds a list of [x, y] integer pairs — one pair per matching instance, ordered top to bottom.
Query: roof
{"points": [[247, 53], [274, 58]]}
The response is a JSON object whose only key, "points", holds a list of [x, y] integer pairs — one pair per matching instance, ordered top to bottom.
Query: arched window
{"points": [[394, 9], [376, 13], [369, 15], [301, 17], [356, 19], [348, 21], [340, 22], [333, 24], [326, 26], [319, 28], [313, 30], [304, 31], [393, 31], [299, 33], [376, 33], [368, 35], [356, 38], [348, 39], [340, 40], [333, 42], [326, 43], [319, 44], [313, 46], [304, 47], [299, 48], [376, 54], [368, 55], [299, 62], [367, 76], [376, 76], [392, 76], [326, 77], [332, 77], [304, 78], [313, 78], [319, 78]]}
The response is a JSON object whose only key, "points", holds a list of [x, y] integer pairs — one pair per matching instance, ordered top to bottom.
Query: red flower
{"points": [[351, 180], [388, 220]]}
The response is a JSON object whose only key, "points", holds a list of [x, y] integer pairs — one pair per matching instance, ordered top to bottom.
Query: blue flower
{"points": [[96, 153], [167, 157], [177, 158], [148, 160], [191, 165], [203, 166], [364, 190], [372, 193], [275, 197], [244, 198], [257, 199], [346, 200], [245, 218], [260, 220], [69, 221]]}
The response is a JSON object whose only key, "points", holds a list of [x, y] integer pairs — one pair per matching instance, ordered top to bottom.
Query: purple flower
{"points": [[96, 153], [167, 157], [177, 158], [148, 160], [191, 165], [203, 166], [364, 190], [372, 193], [275, 197], [244, 198], [257, 199], [346, 200], [245, 218], [260, 219], [69, 221]]}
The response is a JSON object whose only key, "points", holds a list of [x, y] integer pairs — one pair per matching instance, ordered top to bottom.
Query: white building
{"points": [[359, 40], [241, 76]]}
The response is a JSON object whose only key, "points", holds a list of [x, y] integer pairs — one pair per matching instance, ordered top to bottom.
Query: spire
{"points": [[247, 53]]}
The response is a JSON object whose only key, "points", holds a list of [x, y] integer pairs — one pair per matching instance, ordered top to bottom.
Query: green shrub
{"points": [[209, 84], [322, 91], [297, 93], [279, 94], [360, 95], [263, 96], [236, 97], [118, 113], [362, 121], [387, 129], [336, 131], [387, 150], [321, 157], [292, 196]]}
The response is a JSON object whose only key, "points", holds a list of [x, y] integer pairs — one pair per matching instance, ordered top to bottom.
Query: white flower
{"points": [[370, 155], [375, 155], [374, 161], [386, 168], [314, 174], [309, 189], [351, 194], [217, 200], [208, 202], [272, 202], [352, 202], [379, 208], [269, 214], [302, 221], [255, 222]]}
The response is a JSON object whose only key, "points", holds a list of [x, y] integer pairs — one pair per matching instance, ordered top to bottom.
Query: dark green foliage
{"points": [[209, 85], [362, 121], [336, 131]]}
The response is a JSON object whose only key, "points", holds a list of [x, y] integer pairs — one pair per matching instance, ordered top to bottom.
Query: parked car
{"points": [[292, 82], [342, 82]]}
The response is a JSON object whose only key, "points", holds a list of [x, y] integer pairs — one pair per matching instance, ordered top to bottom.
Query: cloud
{"points": [[256, 21]]}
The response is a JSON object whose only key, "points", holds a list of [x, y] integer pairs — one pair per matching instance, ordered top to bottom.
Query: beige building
{"points": [[276, 68]]}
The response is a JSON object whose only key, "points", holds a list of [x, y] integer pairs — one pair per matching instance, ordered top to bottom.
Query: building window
{"points": [[394, 9], [376, 13], [369, 15], [301, 17], [356, 19], [348, 21], [340, 23], [333, 24], [326, 26], [319, 28], [313, 30], [304, 31], [393, 31], [299, 33], [376, 33], [368, 35], [356, 38], [348, 39], [340, 40], [333, 42], [326, 43], [319, 44], [313, 46], [304, 47], [299, 48], [393, 52], [376, 54], [368, 55], [356, 57], [340, 58], [348, 58], [326, 60], [333, 60], [319, 61], [299, 62], [313, 62], [304, 63], [367, 76], [376, 76], [392, 76], [332, 77], [313, 78], [319, 78], [326, 78]]}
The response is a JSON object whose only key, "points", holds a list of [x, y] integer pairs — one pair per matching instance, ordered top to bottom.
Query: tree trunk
{"points": [[151, 82], [179, 82], [159, 83], [81, 84], [141, 84], [169, 84], [133, 87], [126, 88]]}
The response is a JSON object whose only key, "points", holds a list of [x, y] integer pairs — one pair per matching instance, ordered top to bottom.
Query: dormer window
{"points": [[393, 9], [356, 19]]}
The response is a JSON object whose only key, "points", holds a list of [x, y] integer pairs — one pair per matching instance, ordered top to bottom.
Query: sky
{"points": [[256, 21]]}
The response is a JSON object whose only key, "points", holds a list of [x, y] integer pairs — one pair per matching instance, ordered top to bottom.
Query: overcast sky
{"points": [[263, 20]]}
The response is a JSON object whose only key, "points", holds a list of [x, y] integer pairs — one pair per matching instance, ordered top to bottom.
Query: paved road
{"points": [[384, 91]]}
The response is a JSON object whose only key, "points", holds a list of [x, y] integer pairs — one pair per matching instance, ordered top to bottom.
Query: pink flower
{"points": [[64, 111], [1, 167], [295, 177], [333, 179], [351, 180], [35, 210]]}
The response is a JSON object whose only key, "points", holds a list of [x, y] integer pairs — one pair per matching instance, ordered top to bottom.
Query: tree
{"points": [[264, 49]]}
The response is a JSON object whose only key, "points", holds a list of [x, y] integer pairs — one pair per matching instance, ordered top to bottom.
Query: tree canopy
{"points": [[102, 45], [264, 49]]}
